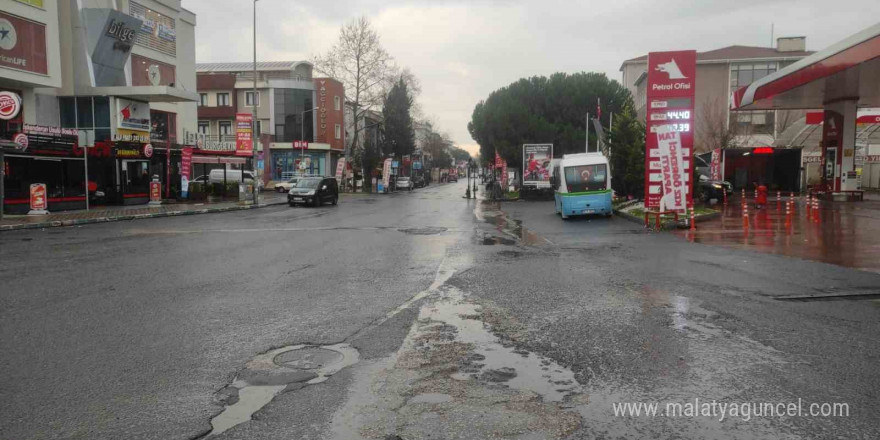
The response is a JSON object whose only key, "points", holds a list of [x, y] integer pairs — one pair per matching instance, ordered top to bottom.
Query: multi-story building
{"points": [[719, 73], [117, 77], [290, 106]]}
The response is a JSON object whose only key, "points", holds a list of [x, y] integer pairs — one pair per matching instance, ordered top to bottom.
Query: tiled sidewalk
{"points": [[116, 213]]}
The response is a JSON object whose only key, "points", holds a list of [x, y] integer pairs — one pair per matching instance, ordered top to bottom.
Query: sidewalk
{"points": [[104, 214], [842, 233]]}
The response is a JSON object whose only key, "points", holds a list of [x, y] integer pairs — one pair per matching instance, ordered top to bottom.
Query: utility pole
{"points": [[254, 123], [588, 134]]}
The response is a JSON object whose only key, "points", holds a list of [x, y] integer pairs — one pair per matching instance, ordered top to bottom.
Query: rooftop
{"points": [[736, 53], [262, 66]]}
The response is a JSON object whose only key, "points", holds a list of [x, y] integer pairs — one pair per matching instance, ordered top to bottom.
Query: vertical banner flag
{"points": [[670, 116], [244, 140], [186, 155], [536, 164], [715, 166], [340, 168], [671, 168], [386, 173]]}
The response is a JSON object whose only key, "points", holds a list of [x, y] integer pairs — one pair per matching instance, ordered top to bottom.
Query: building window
{"points": [[742, 75], [203, 99], [223, 99], [249, 99], [337, 103], [288, 107], [90, 115], [754, 122], [204, 127], [225, 127], [338, 131]]}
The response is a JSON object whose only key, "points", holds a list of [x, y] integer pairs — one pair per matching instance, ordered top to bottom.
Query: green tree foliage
{"points": [[543, 110], [399, 134], [626, 152], [459, 154]]}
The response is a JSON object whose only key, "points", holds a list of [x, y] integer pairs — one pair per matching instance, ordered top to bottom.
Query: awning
{"points": [[848, 69], [148, 93], [807, 134], [218, 159]]}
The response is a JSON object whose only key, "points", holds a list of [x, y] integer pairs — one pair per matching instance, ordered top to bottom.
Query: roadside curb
{"points": [[90, 221], [669, 224]]}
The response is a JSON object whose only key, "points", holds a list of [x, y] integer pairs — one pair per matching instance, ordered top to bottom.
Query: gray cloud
{"points": [[462, 50]]}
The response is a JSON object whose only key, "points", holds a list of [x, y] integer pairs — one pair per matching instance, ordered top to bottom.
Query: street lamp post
{"points": [[254, 122], [302, 135], [467, 192]]}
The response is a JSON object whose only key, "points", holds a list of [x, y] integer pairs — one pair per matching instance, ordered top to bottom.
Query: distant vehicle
{"points": [[232, 176], [452, 177], [419, 182], [404, 183], [582, 185], [285, 186], [713, 189], [314, 191]]}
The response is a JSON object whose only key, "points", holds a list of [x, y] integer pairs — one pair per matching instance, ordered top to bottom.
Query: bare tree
{"points": [[360, 62], [715, 130]]}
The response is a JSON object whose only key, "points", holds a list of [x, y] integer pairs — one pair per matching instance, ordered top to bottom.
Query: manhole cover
{"points": [[308, 358]]}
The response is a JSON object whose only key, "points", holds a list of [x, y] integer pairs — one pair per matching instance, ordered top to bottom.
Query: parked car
{"points": [[452, 177], [419, 182], [405, 183], [286, 185], [713, 189], [314, 191]]}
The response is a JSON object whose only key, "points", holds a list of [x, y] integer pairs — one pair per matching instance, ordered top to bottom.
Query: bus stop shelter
{"points": [[839, 80]]}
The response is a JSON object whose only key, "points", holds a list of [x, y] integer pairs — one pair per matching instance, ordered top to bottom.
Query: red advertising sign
{"points": [[23, 44], [670, 98], [10, 105], [868, 119], [244, 140], [21, 141], [148, 150], [186, 155], [715, 166], [155, 192], [38, 197]]}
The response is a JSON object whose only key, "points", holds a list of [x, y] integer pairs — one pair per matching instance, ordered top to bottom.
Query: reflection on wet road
{"points": [[842, 233]]}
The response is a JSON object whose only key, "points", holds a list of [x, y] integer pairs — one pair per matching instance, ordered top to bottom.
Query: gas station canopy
{"points": [[847, 70]]}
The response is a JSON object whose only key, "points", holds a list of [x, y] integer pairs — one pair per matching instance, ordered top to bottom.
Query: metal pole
{"points": [[254, 122], [76, 125], [587, 142], [86, 164], [2, 181]]}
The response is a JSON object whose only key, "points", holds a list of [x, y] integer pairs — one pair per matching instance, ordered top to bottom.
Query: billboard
{"points": [[23, 44], [132, 115], [669, 128], [244, 141], [536, 164]]}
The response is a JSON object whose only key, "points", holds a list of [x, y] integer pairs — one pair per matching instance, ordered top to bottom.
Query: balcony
{"points": [[218, 112]]}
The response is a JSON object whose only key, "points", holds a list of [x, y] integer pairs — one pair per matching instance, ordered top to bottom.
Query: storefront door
{"points": [[135, 179]]}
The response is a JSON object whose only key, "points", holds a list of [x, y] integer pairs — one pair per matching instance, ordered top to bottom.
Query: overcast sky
{"points": [[463, 50]]}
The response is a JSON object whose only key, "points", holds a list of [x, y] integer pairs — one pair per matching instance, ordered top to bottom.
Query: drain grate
{"points": [[430, 230], [831, 297], [309, 358]]}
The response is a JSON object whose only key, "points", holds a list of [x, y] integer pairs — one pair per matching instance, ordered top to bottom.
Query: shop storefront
{"points": [[47, 155], [287, 163]]}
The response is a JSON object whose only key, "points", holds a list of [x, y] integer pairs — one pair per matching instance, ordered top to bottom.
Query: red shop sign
{"points": [[155, 192], [38, 197]]}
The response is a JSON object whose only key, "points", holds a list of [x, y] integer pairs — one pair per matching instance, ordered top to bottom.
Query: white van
{"points": [[232, 176]]}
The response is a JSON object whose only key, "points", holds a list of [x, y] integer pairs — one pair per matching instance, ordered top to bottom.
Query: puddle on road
{"points": [[491, 213], [273, 372], [453, 375]]}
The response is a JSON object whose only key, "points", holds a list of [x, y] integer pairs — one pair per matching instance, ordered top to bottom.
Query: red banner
{"points": [[670, 108], [244, 140], [186, 156], [715, 166], [155, 192], [38, 197]]}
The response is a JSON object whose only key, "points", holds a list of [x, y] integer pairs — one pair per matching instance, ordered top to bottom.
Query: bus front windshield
{"points": [[582, 178]]}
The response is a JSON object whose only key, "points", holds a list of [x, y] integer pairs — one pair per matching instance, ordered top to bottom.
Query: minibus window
{"points": [[585, 178]]}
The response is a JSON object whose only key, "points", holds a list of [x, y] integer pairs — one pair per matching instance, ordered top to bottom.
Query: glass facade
{"points": [[289, 105], [93, 113], [286, 163]]}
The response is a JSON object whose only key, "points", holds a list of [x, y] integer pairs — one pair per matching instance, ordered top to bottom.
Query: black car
{"points": [[419, 182], [713, 189], [314, 191]]}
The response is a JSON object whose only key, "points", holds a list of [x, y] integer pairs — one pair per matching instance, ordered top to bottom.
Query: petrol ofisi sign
{"points": [[670, 96]]}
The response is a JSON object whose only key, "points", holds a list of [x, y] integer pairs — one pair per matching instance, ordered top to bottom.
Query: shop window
{"points": [[223, 99], [102, 111]]}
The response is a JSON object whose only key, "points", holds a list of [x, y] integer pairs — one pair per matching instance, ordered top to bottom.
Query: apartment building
{"points": [[291, 106]]}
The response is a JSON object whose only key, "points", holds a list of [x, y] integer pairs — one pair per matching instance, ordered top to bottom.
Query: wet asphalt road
{"points": [[129, 329]]}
